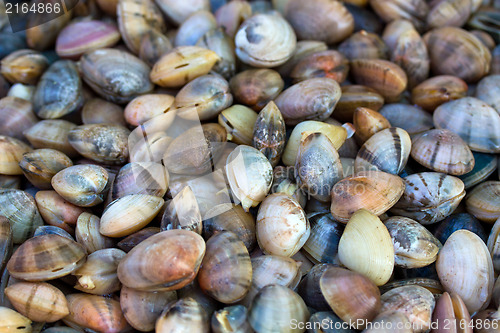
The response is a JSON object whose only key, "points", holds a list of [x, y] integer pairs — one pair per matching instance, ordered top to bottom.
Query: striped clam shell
{"points": [[477, 123], [269, 133], [387, 150], [443, 151], [429, 197], [484, 201], [5, 241], [323, 242], [493, 244], [46, 257], [185, 315]]}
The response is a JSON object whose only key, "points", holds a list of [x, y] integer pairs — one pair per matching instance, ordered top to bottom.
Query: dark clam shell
{"points": [[457, 222]]}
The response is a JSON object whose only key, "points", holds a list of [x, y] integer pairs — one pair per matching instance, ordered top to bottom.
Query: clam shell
{"points": [[414, 11], [178, 12], [449, 13], [231, 14], [135, 19], [321, 20], [194, 27], [80, 37], [153, 45], [223, 45], [364, 45], [257, 47], [304, 48], [330, 64], [181, 65], [24, 66], [115, 75], [385, 77], [256, 87], [437, 90], [59, 91], [487, 91], [209, 94], [355, 96], [312, 99], [146, 107], [99, 111], [16, 116], [410, 118], [367, 122], [476, 123], [269, 133], [52, 134], [336, 134], [106, 143], [387, 150], [12, 151], [443, 151], [39, 166], [318, 166], [250, 175], [82, 185], [374, 191], [429, 197], [484, 201], [20, 209], [56, 211], [182, 212], [129, 214], [456, 222], [282, 227], [87, 233], [5, 241], [323, 242], [128, 243], [493, 244], [414, 245], [366, 247], [46, 257], [166, 261], [464, 267], [226, 270], [98, 274], [309, 288], [352, 296], [39, 301], [417, 303], [142, 308], [274, 308], [451, 310], [95, 313], [185, 315], [231, 319], [392, 319], [13, 321]]}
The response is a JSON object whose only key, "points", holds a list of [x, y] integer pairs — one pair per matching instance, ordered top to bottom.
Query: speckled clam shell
{"points": [[135, 18], [322, 20], [80, 37], [257, 47], [454, 51], [115, 75], [385, 77], [59, 91], [312, 99], [16, 116], [408, 117], [477, 123], [269, 133], [105, 143], [387, 150], [12, 151], [443, 151], [318, 166], [250, 175], [83, 185], [375, 191], [429, 197], [484, 201], [21, 211], [129, 214], [277, 214], [323, 242], [414, 245], [366, 247], [46, 257], [166, 261], [464, 267], [226, 270], [39, 301], [416, 302], [142, 308], [274, 308], [95, 313], [186, 315]]}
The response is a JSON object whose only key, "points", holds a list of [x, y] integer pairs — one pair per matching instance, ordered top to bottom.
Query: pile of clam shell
{"points": [[251, 166]]}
